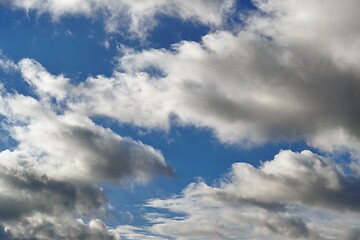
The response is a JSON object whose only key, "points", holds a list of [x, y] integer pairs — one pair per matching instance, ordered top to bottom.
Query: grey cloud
{"points": [[115, 158], [304, 177], [28, 193], [38, 207], [47, 227], [353, 235]]}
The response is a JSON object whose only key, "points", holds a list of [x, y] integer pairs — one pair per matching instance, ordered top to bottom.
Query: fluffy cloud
{"points": [[139, 15], [265, 82], [262, 83], [98, 153], [51, 176], [293, 196]]}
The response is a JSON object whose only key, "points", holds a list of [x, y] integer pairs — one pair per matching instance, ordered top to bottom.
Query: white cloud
{"points": [[139, 16], [328, 26], [6, 64], [43, 82], [266, 82], [245, 87], [98, 153], [60, 157], [294, 196], [137, 233]]}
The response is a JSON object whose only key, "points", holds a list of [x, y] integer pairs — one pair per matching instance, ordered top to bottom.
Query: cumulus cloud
{"points": [[140, 16], [262, 83], [98, 153], [51, 176], [294, 196]]}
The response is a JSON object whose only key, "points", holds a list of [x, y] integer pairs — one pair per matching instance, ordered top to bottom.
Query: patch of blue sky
{"points": [[74, 46], [194, 153]]}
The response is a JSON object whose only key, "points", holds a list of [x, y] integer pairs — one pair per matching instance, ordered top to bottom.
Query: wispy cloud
{"points": [[137, 17]]}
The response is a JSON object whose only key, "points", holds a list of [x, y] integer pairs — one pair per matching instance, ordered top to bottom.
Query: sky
{"points": [[173, 119]]}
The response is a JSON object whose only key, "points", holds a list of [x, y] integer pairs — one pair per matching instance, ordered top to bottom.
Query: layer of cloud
{"points": [[140, 16], [293, 196]]}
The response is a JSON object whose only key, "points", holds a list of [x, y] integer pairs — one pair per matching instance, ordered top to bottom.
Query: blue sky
{"points": [[179, 120]]}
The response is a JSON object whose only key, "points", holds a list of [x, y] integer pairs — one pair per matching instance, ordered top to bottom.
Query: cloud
{"points": [[139, 16], [6, 64], [43, 82], [262, 83], [245, 87], [74, 141], [51, 176], [294, 196], [36, 206], [47, 227], [137, 233], [5, 234]]}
